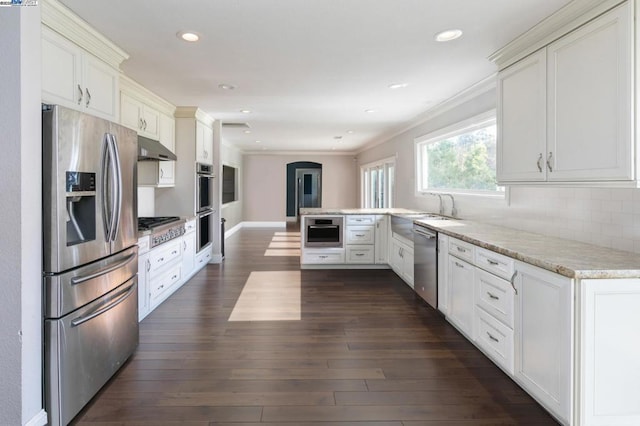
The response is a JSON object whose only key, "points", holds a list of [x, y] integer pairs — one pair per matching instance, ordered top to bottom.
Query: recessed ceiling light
{"points": [[448, 35], [188, 36], [398, 85], [225, 86], [245, 111], [369, 111], [247, 132], [350, 132], [258, 141]]}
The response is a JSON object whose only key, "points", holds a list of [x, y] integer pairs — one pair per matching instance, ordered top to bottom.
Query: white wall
{"points": [[265, 184], [232, 212], [21, 217], [605, 217]]}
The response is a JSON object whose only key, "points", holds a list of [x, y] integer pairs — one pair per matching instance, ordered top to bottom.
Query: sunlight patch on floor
{"points": [[284, 244], [269, 296]]}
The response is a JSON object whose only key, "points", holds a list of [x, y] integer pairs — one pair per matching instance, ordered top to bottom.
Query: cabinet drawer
{"points": [[359, 219], [190, 226], [360, 234], [461, 249], [360, 254], [163, 255], [203, 257], [323, 257], [493, 262], [164, 282], [495, 295], [495, 338]]}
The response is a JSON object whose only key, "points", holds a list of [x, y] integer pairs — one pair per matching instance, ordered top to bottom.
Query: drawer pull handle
{"points": [[359, 235], [461, 250], [174, 252], [359, 254], [323, 257], [160, 260], [492, 262], [459, 265], [174, 277], [493, 296], [492, 338]]}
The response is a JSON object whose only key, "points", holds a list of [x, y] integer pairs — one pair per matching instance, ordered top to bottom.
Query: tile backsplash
{"points": [[608, 217]]}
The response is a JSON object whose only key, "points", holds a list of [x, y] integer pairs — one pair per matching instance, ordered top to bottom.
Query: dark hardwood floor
{"points": [[311, 347]]}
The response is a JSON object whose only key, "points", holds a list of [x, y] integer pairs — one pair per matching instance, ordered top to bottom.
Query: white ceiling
{"points": [[308, 69]]}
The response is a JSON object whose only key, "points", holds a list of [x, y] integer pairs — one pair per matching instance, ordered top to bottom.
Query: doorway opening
{"points": [[304, 187]]}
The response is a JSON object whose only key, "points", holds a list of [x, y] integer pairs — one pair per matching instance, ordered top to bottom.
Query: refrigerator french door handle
{"points": [[117, 177], [105, 186], [84, 278], [81, 320]]}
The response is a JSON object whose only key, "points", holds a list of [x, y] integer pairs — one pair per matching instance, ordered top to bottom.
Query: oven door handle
{"points": [[323, 226]]}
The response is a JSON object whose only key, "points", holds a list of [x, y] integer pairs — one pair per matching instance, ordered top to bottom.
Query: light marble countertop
{"points": [[569, 258], [572, 259]]}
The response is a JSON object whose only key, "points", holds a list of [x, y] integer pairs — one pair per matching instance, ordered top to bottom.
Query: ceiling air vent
{"points": [[239, 126]]}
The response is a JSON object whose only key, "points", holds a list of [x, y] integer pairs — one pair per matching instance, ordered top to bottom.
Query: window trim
{"points": [[468, 125], [363, 181]]}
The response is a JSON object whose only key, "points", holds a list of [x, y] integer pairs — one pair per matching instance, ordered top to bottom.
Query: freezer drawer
{"points": [[85, 348]]}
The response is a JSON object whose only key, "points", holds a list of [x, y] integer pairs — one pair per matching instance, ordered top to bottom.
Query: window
{"points": [[459, 159], [378, 184], [229, 187]]}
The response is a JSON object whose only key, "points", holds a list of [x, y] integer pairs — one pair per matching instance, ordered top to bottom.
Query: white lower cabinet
{"points": [[381, 238], [189, 249], [360, 254], [325, 256], [203, 257], [401, 259], [144, 266], [165, 271], [443, 280], [461, 300], [543, 337], [495, 338]]}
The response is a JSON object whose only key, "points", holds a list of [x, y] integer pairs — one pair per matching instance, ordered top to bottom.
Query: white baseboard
{"points": [[292, 218], [233, 230], [216, 258], [39, 419]]}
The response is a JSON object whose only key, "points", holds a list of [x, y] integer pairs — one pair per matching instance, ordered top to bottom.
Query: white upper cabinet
{"points": [[74, 78], [591, 101], [565, 112], [140, 117], [522, 129], [167, 137], [204, 143]]}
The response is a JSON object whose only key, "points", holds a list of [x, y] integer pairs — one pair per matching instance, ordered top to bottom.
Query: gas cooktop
{"points": [[163, 228]]}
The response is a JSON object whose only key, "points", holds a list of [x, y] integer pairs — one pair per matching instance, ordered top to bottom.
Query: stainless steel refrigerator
{"points": [[90, 256]]}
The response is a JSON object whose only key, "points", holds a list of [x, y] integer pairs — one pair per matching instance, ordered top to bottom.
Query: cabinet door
{"points": [[61, 70], [100, 83], [590, 101], [130, 112], [521, 120], [150, 122], [204, 143], [166, 169], [381, 236], [188, 254], [395, 256], [443, 262], [407, 264], [144, 266], [461, 294], [543, 337]]}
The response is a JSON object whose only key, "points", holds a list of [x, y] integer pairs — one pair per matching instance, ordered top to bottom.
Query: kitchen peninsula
{"points": [[558, 316]]}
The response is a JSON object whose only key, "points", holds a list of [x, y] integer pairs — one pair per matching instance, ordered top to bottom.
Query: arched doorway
{"points": [[304, 187]]}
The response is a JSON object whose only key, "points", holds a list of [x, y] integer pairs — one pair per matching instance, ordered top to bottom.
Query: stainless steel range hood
{"points": [[150, 150]]}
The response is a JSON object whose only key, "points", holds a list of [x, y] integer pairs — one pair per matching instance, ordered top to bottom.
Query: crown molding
{"points": [[565, 20], [63, 21], [146, 96], [194, 112], [301, 153]]}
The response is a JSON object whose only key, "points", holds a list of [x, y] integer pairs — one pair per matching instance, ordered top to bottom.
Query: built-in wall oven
{"points": [[204, 187], [204, 205], [324, 231]]}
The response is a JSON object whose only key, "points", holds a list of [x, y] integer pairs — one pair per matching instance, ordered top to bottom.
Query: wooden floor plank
{"points": [[363, 351]]}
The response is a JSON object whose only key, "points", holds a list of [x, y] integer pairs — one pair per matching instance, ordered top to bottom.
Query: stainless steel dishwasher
{"points": [[425, 264]]}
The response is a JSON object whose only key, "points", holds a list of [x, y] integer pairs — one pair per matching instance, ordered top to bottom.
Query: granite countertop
{"points": [[321, 211], [572, 259]]}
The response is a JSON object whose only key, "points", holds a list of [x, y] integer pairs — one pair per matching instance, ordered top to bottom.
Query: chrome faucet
{"points": [[441, 206], [454, 211]]}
